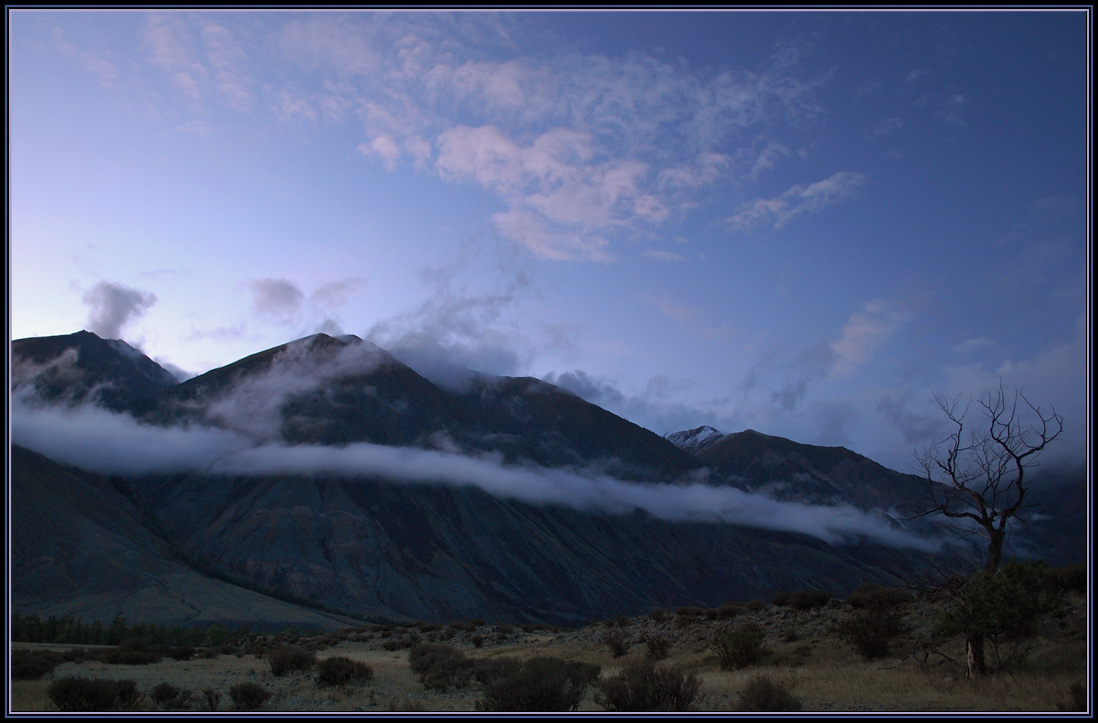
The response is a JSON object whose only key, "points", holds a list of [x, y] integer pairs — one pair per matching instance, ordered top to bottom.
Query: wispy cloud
{"points": [[579, 148], [798, 201], [661, 255], [673, 309], [864, 333]]}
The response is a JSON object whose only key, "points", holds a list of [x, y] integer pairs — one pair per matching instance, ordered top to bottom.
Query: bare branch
{"points": [[980, 475]]}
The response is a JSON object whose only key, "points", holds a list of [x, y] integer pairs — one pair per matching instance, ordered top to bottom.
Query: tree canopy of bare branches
{"points": [[979, 473]]}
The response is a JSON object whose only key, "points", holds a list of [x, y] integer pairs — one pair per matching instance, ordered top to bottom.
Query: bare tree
{"points": [[979, 474]]}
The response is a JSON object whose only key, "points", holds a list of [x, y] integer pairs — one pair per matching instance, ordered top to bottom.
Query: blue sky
{"points": [[806, 223]]}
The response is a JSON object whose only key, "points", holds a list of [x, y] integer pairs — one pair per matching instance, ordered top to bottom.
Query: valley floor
{"points": [[822, 672]]}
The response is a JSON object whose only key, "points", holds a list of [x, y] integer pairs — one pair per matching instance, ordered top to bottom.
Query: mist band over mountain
{"points": [[317, 421]]}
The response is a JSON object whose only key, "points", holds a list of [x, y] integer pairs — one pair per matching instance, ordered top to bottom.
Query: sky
{"points": [[804, 223]]}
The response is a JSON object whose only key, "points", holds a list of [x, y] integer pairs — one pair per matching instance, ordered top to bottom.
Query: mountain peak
{"points": [[82, 367], [695, 440]]}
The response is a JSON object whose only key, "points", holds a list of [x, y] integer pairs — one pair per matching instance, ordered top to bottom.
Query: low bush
{"points": [[1069, 578], [870, 595], [802, 599], [689, 611], [658, 615], [871, 631], [477, 640], [617, 642], [658, 646], [738, 648], [182, 652], [289, 659], [33, 664], [439, 666], [341, 671], [538, 684], [644, 687], [79, 694], [762, 694], [249, 696], [169, 697], [211, 698]]}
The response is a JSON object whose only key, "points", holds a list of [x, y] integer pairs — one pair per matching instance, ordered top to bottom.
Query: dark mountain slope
{"points": [[81, 367], [558, 428], [821, 475], [79, 547], [440, 553]]}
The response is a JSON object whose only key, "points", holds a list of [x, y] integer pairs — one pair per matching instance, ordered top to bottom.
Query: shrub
{"points": [[1070, 578], [870, 595], [802, 599], [1001, 607], [729, 610], [689, 611], [658, 615], [504, 629], [871, 631], [477, 640], [617, 642], [658, 646], [738, 648], [182, 652], [290, 660], [33, 664], [439, 666], [487, 670], [341, 671], [538, 684], [643, 687], [78, 694], [764, 695], [249, 696], [169, 697], [211, 698]]}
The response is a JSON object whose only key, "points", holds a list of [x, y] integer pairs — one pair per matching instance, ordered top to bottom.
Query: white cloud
{"points": [[581, 149], [798, 201], [865, 332]]}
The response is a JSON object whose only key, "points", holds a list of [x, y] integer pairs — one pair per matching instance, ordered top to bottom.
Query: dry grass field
{"points": [[800, 650]]}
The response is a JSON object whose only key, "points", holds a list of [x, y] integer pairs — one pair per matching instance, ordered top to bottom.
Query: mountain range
{"points": [[324, 480]]}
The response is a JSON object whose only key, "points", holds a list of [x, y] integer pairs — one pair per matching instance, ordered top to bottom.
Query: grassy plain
{"points": [[801, 649]]}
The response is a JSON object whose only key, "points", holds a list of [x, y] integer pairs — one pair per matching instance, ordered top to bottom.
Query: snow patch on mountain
{"points": [[694, 440]]}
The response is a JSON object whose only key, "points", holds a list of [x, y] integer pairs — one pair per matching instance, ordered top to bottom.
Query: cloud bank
{"points": [[107, 443]]}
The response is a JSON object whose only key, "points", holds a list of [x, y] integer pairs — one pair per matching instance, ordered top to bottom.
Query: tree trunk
{"points": [[994, 549], [974, 647]]}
